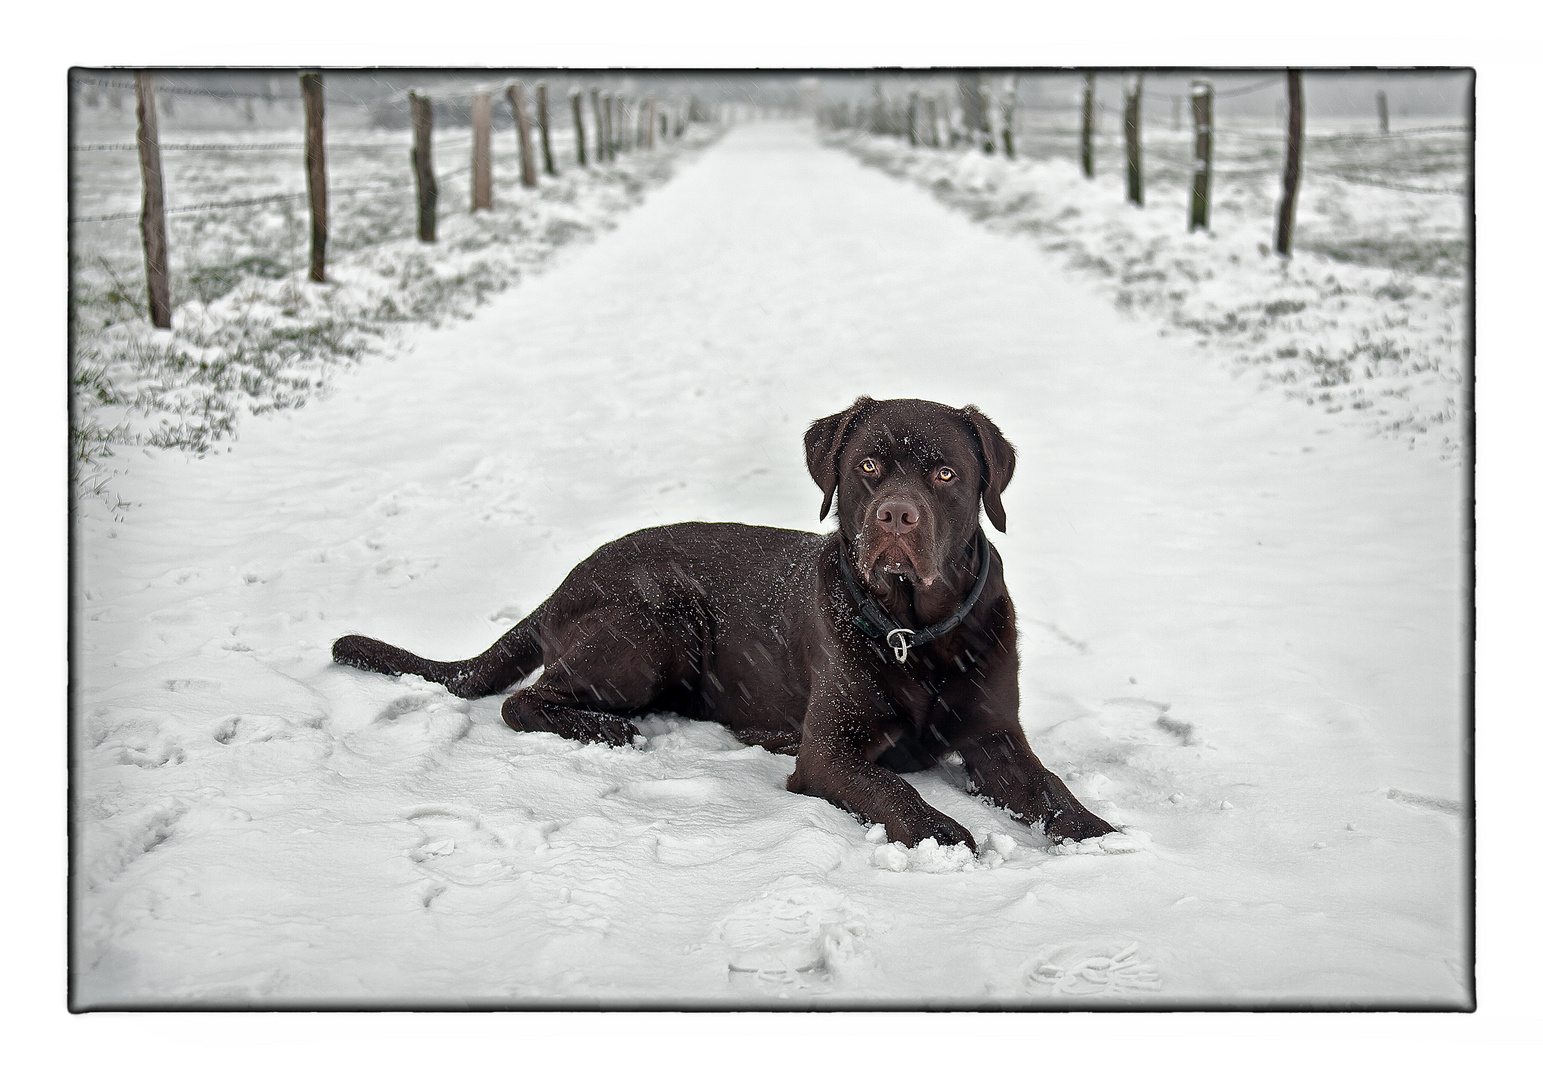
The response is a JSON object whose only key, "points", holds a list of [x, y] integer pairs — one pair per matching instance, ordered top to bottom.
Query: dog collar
{"points": [[873, 622]]}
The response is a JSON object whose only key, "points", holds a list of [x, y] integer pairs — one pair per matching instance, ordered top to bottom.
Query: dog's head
{"points": [[909, 478]]}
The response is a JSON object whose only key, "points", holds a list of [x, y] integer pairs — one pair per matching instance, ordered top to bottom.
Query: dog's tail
{"points": [[512, 657]]}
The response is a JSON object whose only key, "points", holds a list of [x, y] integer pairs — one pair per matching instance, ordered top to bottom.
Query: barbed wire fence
{"points": [[972, 116], [620, 123]]}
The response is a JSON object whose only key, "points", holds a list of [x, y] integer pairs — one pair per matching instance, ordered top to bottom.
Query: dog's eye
{"points": [[869, 466], [945, 474]]}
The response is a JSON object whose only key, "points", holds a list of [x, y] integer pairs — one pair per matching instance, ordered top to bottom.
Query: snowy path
{"points": [[1241, 629]]}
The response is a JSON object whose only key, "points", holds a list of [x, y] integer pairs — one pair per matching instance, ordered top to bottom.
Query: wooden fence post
{"points": [[965, 83], [516, 94], [576, 98], [594, 101], [983, 103], [1009, 107], [653, 109], [1382, 112], [910, 115], [544, 118], [932, 120], [1177, 122], [1087, 125], [610, 131], [482, 151], [423, 164], [316, 170], [1200, 190], [1133, 192], [1288, 198], [152, 211]]}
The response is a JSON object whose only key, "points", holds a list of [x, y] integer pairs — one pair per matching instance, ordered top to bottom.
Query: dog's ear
{"points": [[822, 446], [997, 458]]}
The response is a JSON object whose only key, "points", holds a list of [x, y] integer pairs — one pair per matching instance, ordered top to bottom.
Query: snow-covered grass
{"points": [[1370, 315], [250, 333], [1242, 626]]}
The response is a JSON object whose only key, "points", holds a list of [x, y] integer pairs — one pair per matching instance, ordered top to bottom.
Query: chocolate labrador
{"points": [[872, 651]]}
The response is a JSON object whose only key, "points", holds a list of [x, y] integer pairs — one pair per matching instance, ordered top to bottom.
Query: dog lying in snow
{"points": [[872, 651]]}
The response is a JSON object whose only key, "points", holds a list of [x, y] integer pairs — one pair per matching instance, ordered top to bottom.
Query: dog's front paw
{"points": [[613, 731], [1075, 824], [942, 828]]}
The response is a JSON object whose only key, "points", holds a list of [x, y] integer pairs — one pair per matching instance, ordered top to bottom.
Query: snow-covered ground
{"points": [[1243, 626]]}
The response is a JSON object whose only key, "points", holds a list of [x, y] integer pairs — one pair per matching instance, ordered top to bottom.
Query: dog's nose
{"points": [[897, 516]]}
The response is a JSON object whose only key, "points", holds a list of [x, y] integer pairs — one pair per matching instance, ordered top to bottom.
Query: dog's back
{"points": [[727, 597], [721, 600]]}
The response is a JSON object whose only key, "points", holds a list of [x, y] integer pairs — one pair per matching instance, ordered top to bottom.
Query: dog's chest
{"points": [[918, 698]]}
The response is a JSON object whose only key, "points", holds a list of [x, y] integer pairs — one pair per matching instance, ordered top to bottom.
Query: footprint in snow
{"points": [[397, 570], [183, 686], [405, 705], [412, 724], [248, 728], [1125, 748], [1115, 843], [456, 848], [801, 936], [1084, 970]]}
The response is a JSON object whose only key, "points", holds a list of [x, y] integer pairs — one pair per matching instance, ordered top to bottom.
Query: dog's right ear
{"points": [[822, 448], [997, 458]]}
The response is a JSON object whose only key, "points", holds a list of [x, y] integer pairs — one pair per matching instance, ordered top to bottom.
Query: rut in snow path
{"points": [[1241, 631]]}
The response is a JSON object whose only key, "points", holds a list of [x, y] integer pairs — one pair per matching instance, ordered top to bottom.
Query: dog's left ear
{"points": [[822, 446], [997, 458]]}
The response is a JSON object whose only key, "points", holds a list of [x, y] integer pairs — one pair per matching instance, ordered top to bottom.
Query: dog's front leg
{"points": [[831, 766], [1001, 767]]}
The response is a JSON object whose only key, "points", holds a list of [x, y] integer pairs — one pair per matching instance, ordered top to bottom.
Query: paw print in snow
{"points": [[1093, 971]]}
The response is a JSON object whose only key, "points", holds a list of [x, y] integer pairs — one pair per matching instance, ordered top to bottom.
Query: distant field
{"points": [[1351, 206]]}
